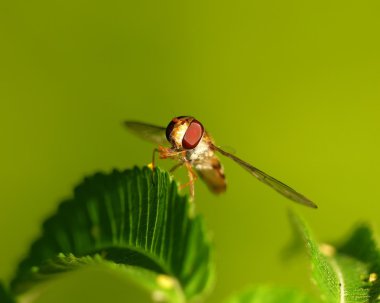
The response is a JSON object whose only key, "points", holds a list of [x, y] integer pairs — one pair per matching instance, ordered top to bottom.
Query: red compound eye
{"points": [[193, 135]]}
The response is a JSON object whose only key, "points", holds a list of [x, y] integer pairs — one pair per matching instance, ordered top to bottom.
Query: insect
{"points": [[186, 141]]}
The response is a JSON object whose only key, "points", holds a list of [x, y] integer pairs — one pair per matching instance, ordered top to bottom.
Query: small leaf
{"points": [[131, 218], [363, 246], [344, 273], [146, 285], [265, 294], [5, 297]]}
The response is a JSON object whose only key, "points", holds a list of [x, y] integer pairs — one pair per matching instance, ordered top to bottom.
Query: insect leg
{"points": [[164, 154], [153, 165], [175, 167], [192, 178]]}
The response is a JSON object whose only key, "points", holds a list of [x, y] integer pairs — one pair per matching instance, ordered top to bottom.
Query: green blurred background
{"points": [[293, 86]]}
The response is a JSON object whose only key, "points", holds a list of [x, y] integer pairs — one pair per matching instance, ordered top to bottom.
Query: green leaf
{"points": [[130, 218], [362, 245], [348, 273], [142, 285], [266, 294], [5, 297]]}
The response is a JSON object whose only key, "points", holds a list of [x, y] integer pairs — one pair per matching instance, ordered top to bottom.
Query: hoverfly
{"points": [[192, 146]]}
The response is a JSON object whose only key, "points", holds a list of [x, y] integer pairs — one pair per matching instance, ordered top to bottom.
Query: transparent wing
{"points": [[152, 133], [280, 187]]}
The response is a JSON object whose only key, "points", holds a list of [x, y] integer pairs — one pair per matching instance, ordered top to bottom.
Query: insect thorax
{"points": [[200, 156]]}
